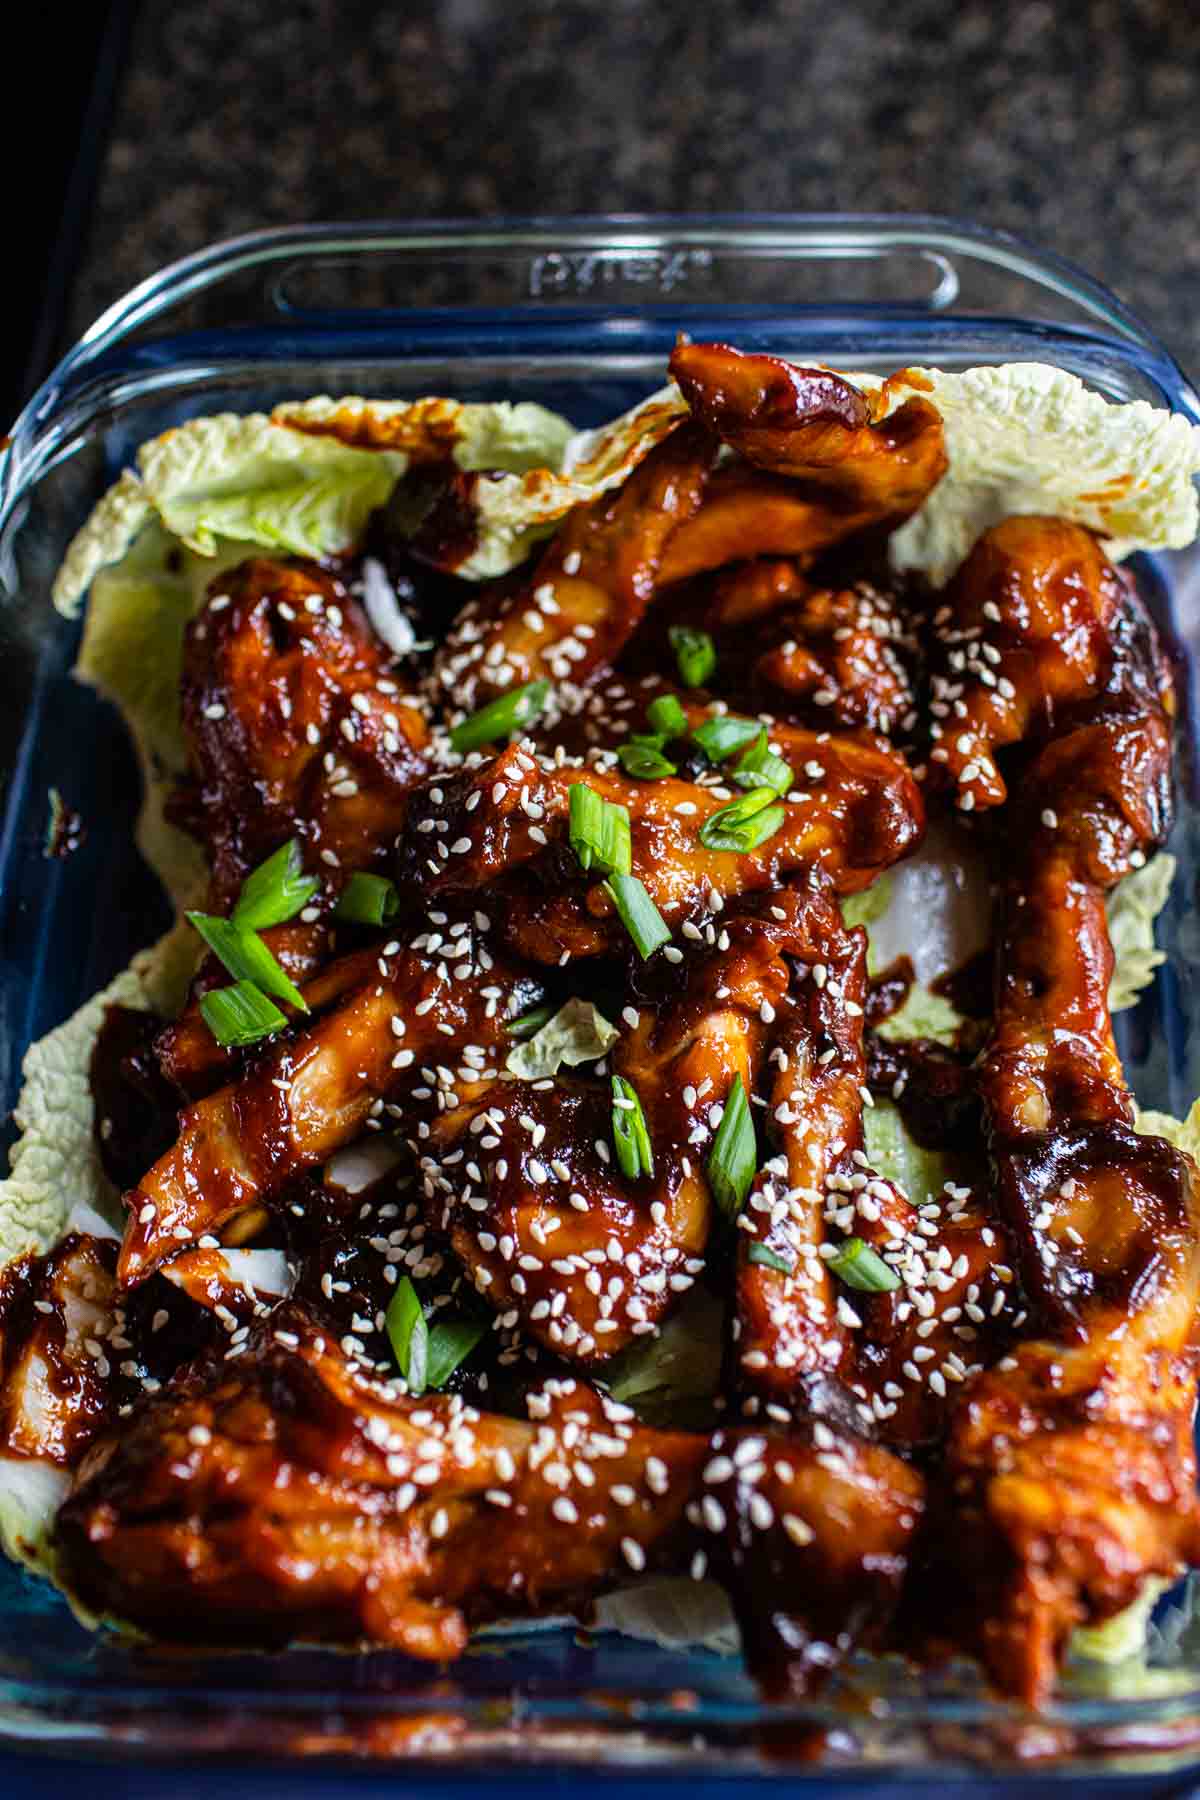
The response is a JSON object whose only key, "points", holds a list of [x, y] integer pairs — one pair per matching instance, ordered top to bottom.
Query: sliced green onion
{"points": [[695, 654], [500, 717], [667, 717], [721, 735], [642, 758], [760, 767], [744, 824], [599, 832], [276, 891], [367, 900], [638, 914], [246, 957], [240, 1014], [530, 1023], [631, 1137], [733, 1159], [768, 1258], [858, 1266], [409, 1335], [449, 1345]]}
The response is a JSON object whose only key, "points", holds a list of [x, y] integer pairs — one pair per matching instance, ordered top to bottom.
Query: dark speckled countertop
{"points": [[1076, 124]]}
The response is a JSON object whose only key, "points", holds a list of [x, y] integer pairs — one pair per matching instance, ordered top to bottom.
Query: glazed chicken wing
{"points": [[815, 426], [589, 589], [1037, 628], [826, 657], [294, 725], [853, 810], [312, 1092], [522, 1178], [808, 1344], [1071, 1469], [290, 1494]]}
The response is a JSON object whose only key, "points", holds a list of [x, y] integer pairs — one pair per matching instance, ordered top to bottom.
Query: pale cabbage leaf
{"points": [[1024, 437], [287, 481], [1133, 906], [577, 1033], [54, 1165]]}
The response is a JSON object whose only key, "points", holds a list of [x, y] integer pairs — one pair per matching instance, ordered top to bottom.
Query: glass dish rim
{"points": [[816, 234]]}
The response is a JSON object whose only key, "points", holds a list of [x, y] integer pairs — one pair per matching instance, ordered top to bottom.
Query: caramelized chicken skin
{"points": [[814, 426], [589, 588], [294, 725], [853, 810], [308, 1094], [1070, 1472], [287, 1493]]}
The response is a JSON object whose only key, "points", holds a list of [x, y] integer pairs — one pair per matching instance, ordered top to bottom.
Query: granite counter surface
{"points": [[1077, 124]]}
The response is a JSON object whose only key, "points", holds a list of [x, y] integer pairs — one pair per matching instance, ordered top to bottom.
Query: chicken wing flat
{"points": [[815, 426], [746, 513], [589, 589], [1035, 629], [295, 725], [854, 809], [311, 1093], [522, 1178], [882, 1362], [286, 1493]]}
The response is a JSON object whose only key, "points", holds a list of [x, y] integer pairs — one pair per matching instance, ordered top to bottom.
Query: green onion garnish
{"points": [[695, 654], [500, 717], [667, 717], [721, 735], [642, 758], [760, 767], [744, 824], [599, 832], [276, 891], [367, 900], [638, 914], [246, 957], [240, 1014], [530, 1023], [630, 1135], [733, 1159], [768, 1258], [858, 1266], [409, 1335], [449, 1345], [427, 1359]]}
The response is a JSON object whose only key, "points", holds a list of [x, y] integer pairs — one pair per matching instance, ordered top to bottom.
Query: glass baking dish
{"points": [[579, 315]]}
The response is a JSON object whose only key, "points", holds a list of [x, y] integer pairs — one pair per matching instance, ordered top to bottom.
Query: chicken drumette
{"points": [[295, 725]]}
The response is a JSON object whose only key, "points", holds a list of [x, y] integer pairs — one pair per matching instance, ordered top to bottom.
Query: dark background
{"points": [[1076, 124]]}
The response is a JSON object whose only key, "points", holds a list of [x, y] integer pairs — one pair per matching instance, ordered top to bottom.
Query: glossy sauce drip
{"points": [[969, 987], [887, 991], [135, 1107]]}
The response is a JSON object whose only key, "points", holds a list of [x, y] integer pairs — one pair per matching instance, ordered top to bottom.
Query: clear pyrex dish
{"points": [[579, 315]]}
